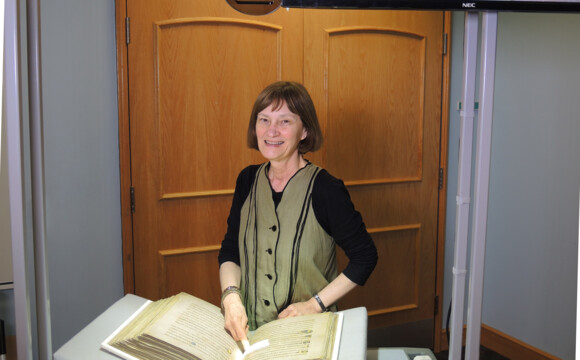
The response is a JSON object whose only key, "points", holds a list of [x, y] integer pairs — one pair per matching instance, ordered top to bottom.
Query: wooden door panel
{"points": [[376, 79], [203, 113], [376, 115], [184, 269], [402, 284]]}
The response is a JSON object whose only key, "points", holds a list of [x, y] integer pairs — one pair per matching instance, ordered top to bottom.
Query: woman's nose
{"points": [[273, 128]]}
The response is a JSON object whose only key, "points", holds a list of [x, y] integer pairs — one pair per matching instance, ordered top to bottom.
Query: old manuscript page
{"points": [[185, 327], [196, 327], [177, 328], [305, 337]]}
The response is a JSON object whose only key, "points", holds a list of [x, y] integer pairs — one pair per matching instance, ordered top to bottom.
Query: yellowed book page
{"points": [[146, 318], [195, 326], [299, 338], [115, 347], [143, 351]]}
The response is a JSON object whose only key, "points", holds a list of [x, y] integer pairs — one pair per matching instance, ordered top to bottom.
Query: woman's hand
{"points": [[301, 308], [236, 320]]}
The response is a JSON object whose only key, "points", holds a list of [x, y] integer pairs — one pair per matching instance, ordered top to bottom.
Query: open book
{"points": [[186, 327]]}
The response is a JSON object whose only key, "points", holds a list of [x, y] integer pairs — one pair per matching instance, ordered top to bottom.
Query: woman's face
{"points": [[279, 132]]}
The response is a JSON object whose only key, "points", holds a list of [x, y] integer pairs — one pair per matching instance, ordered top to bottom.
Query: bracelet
{"points": [[230, 290], [320, 303]]}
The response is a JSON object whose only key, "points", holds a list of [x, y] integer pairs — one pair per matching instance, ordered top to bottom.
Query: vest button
{"points": [[274, 228], [269, 251], [269, 276], [266, 302]]}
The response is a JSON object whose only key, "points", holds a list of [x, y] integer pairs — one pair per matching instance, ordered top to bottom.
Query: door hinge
{"points": [[128, 30], [445, 41], [441, 175], [132, 191], [436, 312]]}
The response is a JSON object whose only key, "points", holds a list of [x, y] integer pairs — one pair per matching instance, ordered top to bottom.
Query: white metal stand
{"points": [[37, 180], [463, 184], [16, 185], [481, 186], [31, 300]]}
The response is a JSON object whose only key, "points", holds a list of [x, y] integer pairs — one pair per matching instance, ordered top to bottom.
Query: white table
{"points": [[86, 344], [400, 354]]}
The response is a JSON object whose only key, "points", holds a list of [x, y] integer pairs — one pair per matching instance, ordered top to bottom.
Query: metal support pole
{"points": [[37, 175], [464, 183], [16, 184], [481, 184]]}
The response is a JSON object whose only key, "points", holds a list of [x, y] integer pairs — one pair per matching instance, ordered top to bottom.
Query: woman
{"points": [[278, 257]]}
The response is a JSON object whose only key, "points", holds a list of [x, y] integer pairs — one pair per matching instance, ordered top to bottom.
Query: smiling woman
{"points": [[295, 98], [279, 132], [278, 257]]}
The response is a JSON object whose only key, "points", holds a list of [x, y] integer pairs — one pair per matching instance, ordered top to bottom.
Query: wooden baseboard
{"points": [[504, 345], [511, 347]]}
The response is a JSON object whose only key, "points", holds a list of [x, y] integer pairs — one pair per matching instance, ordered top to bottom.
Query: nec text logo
{"points": [[470, 5]]}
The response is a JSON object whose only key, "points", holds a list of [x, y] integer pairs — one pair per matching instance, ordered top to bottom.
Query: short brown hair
{"points": [[299, 102]]}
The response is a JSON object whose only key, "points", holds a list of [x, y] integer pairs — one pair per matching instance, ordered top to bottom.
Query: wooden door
{"points": [[194, 69], [376, 77]]}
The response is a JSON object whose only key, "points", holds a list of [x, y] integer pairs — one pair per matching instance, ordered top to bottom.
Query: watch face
{"points": [[255, 7]]}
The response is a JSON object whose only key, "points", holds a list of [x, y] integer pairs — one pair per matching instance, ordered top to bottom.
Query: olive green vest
{"points": [[286, 256]]}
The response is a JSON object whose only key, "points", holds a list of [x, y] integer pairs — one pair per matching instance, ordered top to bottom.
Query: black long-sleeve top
{"points": [[334, 211]]}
